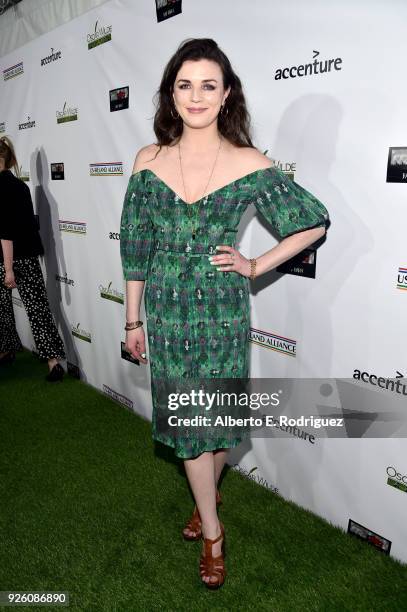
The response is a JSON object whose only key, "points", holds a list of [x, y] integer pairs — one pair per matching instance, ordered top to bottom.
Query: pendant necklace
{"points": [[206, 187]]}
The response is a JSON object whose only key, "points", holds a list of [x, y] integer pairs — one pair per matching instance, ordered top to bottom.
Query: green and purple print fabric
{"points": [[197, 317]]}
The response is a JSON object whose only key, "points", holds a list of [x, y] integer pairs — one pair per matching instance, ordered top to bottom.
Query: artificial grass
{"points": [[90, 505]]}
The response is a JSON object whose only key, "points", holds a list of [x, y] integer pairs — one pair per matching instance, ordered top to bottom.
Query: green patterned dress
{"points": [[198, 318]]}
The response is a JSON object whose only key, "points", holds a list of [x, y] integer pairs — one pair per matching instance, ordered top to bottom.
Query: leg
{"points": [[31, 287], [220, 456], [201, 476]]}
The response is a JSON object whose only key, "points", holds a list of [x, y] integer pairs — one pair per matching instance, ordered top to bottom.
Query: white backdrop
{"points": [[334, 130]]}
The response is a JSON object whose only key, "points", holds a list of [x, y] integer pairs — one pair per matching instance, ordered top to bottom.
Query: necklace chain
{"points": [[190, 205]]}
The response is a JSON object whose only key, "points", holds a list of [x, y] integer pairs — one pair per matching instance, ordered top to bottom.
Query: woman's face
{"points": [[199, 84]]}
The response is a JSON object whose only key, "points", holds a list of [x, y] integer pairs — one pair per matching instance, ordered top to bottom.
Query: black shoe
{"points": [[7, 358], [57, 373]]}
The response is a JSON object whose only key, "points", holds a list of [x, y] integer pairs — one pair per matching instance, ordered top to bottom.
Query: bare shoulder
{"points": [[144, 157], [250, 159]]}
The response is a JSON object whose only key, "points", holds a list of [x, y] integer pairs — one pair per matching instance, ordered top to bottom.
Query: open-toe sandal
{"points": [[213, 567]]}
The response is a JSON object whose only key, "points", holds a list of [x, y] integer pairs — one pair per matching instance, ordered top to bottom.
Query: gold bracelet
{"points": [[252, 268], [133, 325]]}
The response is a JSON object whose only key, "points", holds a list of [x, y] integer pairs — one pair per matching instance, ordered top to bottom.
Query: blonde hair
{"points": [[8, 154]]}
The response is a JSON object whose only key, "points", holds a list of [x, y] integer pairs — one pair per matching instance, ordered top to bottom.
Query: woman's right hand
{"points": [[136, 343]]}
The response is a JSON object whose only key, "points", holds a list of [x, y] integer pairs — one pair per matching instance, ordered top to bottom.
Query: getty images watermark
{"points": [[207, 401], [264, 407]]}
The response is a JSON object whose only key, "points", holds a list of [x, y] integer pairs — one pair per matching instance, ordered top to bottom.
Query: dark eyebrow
{"points": [[203, 80]]}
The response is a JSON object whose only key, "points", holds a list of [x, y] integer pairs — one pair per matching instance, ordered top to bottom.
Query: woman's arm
{"points": [[7, 248], [287, 248]]}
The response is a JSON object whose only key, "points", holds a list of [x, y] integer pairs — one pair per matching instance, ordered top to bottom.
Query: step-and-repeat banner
{"points": [[328, 107]]}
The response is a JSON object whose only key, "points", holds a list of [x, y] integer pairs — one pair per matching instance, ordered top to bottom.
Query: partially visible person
{"points": [[20, 249]]}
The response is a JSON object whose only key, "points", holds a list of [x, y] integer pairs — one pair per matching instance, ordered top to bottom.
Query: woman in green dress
{"points": [[180, 216]]}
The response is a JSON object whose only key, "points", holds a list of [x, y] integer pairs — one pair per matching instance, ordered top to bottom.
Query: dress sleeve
{"points": [[286, 205], [9, 219], [136, 230]]}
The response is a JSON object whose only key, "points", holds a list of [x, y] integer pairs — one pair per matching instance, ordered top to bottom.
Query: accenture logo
{"points": [[52, 57], [317, 66]]}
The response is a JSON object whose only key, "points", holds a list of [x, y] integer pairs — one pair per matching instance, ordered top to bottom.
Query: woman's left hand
{"points": [[231, 260]]}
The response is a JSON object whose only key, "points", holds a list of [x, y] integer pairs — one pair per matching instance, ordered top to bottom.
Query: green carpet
{"points": [[91, 506]]}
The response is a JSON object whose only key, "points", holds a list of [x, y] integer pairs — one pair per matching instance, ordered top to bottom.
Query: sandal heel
{"points": [[210, 566]]}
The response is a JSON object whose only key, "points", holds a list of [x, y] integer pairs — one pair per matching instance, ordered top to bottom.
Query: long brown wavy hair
{"points": [[233, 121], [8, 154]]}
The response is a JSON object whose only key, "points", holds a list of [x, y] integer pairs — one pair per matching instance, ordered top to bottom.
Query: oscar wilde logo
{"points": [[99, 36], [51, 58], [315, 67], [13, 71], [67, 114], [26, 125], [108, 169], [24, 174], [72, 227], [402, 279], [111, 294], [82, 334], [273, 342], [249, 475], [396, 479]]}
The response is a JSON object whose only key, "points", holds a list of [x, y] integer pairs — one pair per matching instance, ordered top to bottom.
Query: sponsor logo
{"points": [[167, 8], [101, 35], [51, 58], [317, 66], [13, 71], [119, 98], [67, 114], [27, 124], [2, 127], [397, 165], [108, 169], [57, 171], [24, 174], [72, 227], [114, 236], [302, 264], [64, 279], [402, 279], [111, 294], [82, 334], [273, 342], [125, 355], [390, 384], [118, 397], [252, 476], [396, 479], [363, 533]]}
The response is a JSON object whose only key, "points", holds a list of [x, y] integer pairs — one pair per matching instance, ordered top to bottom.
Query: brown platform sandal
{"points": [[194, 523], [213, 567]]}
